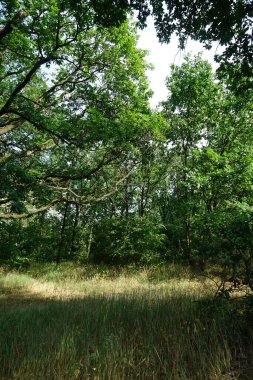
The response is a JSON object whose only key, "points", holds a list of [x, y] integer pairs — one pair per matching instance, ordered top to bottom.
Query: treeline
{"points": [[89, 172]]}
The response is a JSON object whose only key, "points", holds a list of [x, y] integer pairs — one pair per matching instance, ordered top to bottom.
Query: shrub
{"points": [[124, 241]]}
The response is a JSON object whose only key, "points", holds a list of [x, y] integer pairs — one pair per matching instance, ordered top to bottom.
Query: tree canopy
{"points": [[226, 22], [71, 90], [89, 172]]}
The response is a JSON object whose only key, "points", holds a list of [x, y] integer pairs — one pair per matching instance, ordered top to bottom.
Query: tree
{"points": [[226, 22], [68, 89], [74, 110], [189, 113], [210, 141]]}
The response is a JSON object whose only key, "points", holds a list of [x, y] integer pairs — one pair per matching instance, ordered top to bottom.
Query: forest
{"points": [[96, 187]]}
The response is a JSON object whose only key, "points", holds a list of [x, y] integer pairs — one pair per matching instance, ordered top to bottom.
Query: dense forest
{"points": [[89, 172], [126, 233]]}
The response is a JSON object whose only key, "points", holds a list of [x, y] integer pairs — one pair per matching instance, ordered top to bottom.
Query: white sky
{"points": [[163, 55]]}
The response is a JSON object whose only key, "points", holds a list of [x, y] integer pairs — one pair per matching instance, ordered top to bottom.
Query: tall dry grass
{"points": [[99, 323]]}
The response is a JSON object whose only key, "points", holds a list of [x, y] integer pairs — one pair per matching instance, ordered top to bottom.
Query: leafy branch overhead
{"points": [[225, 22], [68, 80]]}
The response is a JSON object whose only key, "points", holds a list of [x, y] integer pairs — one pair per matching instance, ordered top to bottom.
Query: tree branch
{"points": [[7, 29], [22, 84], [9, 127], [48, 145], [87, 175], [82, 202], [29, 213]]}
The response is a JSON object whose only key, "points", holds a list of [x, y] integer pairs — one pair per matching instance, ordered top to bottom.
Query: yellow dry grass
{"points": [[14, 284], [126, 323]]}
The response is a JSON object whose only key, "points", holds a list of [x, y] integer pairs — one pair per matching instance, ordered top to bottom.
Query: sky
{"points": [[163, 55]]}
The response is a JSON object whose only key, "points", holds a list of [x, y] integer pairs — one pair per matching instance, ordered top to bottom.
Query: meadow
{"points": [[94, 322]]}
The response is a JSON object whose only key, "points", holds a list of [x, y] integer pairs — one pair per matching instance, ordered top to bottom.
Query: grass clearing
{"points": [[99, 323]]}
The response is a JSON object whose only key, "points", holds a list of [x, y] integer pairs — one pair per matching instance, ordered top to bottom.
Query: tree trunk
{"points": [[74, 230], [61, 242], [89, 242], [188, 242]]}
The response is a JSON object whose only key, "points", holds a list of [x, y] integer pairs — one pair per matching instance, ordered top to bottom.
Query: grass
{"points": [[100, 323]]}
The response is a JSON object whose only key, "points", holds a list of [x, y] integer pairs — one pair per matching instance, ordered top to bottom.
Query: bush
{"points": [[123, 241], [19, 262]]}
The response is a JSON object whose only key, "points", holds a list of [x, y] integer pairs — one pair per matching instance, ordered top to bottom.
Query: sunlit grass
{"points": [[69, 281], [101, 323]]}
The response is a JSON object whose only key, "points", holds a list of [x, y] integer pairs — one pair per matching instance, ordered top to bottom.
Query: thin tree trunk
{"points": [[142, 206], [74, 231], [188, 239], [61, 242], [89, 242]]}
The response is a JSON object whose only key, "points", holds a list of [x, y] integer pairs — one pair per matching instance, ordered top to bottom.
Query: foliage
{"points": [[226, 22], [69, 89], [89, 170], [210, 176], [124, 241]]}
